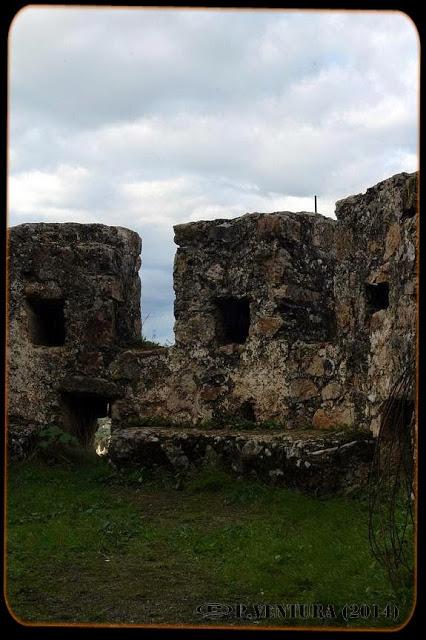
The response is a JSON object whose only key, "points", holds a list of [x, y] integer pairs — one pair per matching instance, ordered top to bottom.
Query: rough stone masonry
{"points": [[74, 304], [289, 323]]}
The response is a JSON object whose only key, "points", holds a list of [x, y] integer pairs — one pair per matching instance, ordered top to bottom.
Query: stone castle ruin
{"points": [[289, 330]]}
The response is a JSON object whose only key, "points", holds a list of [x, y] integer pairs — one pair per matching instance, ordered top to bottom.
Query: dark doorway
{"points": [[377, 297], [233, 320], [46, 321], [82, 411]]}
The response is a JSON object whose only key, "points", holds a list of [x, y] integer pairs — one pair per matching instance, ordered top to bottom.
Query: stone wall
{"points": [[376, 291], [74, 303], [254, 305], [279, 318], [292, 321]]}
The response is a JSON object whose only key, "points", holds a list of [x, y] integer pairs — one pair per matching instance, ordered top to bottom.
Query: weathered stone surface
{"points": [[393, 239], [268, 269], [74, 304], [378, 325], [268, 326], [313, 336], [316, 367], [89, 385], [303, 389], [331, 391], [333, 418], [313, 462]]}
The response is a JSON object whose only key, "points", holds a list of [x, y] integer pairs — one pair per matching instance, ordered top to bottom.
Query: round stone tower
{"points": [[74, 304]]}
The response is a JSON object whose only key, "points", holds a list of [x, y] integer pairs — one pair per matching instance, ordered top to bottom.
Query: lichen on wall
{"points": [[376, 284], [74, 303], [287, 320]]}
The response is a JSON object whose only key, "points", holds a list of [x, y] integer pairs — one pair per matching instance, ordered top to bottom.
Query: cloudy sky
{"points": [[148, 118]]}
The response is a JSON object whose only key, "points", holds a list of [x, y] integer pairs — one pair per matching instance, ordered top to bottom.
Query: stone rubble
{"points": [[314, 463]]}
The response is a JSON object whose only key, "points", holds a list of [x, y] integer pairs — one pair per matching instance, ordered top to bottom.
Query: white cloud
{"points": [[146, 118], [36, 191]]}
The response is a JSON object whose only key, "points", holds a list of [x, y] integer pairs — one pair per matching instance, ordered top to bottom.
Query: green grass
{"points": [[87, 544]]}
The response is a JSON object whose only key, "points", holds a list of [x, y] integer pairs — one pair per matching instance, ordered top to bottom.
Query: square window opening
{"points": [[377, 297], [232, 320], [46, 321]]}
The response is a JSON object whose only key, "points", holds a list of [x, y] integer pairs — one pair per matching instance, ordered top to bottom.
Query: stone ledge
{"points": [[89, 385], [312, 462]]}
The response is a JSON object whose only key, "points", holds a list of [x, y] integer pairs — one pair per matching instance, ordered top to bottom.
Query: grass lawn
{"points": [[86, 544]]}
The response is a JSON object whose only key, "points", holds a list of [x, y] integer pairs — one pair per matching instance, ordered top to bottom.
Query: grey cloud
{"points": [[114, 66], [148, 118]]}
